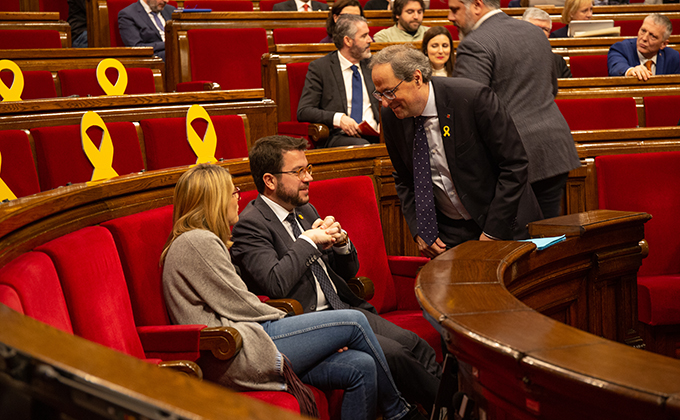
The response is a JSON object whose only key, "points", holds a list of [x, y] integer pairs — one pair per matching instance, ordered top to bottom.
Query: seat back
{"points": [[220, 5], [268, 5], [10, 6], [59, 6], [629, 27], [298, 35], [14, 39], [230, 57], [588, 66], [297, 73], [83, 82], [38, 84], [662, 111], [599, 113], [166, 143], [61, 158], [18, 168], [646, 182], [352, 202], [140, 239], [94, 287], [36, 289]]}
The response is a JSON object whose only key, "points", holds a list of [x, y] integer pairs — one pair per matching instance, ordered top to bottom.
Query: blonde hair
{"points": [[571, 7], [202, 196]]}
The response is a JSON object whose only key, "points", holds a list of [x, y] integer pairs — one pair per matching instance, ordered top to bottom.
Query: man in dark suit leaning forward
{"points": [[142, 24], [338, 86], [460, 166], [283, 250]]}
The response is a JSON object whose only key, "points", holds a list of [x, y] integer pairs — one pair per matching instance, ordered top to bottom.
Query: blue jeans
{"points": [[311, 342]]}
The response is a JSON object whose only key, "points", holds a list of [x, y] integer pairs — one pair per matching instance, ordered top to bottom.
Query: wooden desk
{"points": [[37, 20]]}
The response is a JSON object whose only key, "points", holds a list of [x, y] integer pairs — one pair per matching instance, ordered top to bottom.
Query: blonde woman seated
{"points": [[573, 10], [438, 47], [330, 350]]}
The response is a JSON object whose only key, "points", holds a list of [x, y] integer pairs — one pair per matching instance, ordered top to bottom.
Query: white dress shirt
{"points": [[300, 5], [161, 30], [367, 113]]}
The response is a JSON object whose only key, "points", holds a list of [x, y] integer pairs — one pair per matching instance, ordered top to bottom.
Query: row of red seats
{"points": [[619, 113]]}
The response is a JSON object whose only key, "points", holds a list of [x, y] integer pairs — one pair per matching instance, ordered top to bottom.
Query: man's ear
{"points": [[476, 7], [347, 41], [664, 45], [418, 77], [269, 182]]}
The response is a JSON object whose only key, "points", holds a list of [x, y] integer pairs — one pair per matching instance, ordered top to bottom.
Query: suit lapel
{"points": [[147, 19], [660, 61], [339, 81], [445, 114], [273, 221]]}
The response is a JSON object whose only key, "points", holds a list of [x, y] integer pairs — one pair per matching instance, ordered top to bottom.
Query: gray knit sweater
{"points": [[201, 286]]}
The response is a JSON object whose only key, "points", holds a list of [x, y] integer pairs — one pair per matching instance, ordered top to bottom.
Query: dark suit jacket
{"points": [[290, 6], [137, 29], [563, 32], [623, 55], [561, 66], [524, 77], [324, 92], [484, 152], [273, 264]]}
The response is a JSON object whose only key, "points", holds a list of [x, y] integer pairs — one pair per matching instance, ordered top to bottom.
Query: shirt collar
{"points": [[299, 3], [145, 6], [485, 17], [643, 60], [345, 63], [430, 106], [278, 210]]}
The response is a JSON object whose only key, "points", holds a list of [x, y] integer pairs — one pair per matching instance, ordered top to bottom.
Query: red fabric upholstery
{"points": [[439, 4], [220, 5], [268, 5], [10, 6], [60, 6], [558, 25], [629, 27], [372, 30], [453, 30], [298, 35], [13, 39], [230, 57], [588, 65], [297, 73], [83, 82], [38, 84], [195, 86], [662, 111], [599, 113], [167, 145], [61, 159], [18, 168], [649, 182], [140, 239], [34, 280], [94, 287], [9, 297], [171, 342], [287, 401]]}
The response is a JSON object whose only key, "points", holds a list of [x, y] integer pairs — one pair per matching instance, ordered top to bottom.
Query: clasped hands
{"points": [[326, 232]]}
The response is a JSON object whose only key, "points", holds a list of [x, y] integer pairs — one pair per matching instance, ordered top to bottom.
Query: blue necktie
{"points": [[161, 27], [357, 96], [426, 216], [319, 272]]}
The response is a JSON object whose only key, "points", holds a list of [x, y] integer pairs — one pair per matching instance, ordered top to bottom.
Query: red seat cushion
{"points": [[220, 5], [629, 27], [299, 35], [13, 39], [588, 65], [297, 73], [83, 82], [38, 84], [662, 111], [599, 113], [17, 168], [9, 297], [659, 299]]}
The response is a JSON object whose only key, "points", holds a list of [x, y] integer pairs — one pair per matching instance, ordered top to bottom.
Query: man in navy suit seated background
{"points": [[142, 24], [647, 55]]}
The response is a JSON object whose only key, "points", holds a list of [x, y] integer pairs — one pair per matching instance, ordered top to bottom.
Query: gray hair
{"points": [[491, 4], [534, 13], [662, 20], [346, 26], [404, 60]]}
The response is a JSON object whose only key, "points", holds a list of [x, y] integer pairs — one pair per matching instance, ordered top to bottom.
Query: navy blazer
{"points": [[290, 6], [137, 29], [563, 32], [623, 55]]}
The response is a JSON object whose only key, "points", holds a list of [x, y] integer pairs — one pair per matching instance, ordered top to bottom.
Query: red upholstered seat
{"points": [[439, 4], [220, 5], [268, 5], [10, 6], [60, 6], [629, 27], [372, 30], [453, 30], [298, 35], [13, 39], [230, 57], [588, 65], [297, 72], [83, 82], [38, 84], [662, 111], [599, 113], [167, 145], [61, 159], [18, 169], [649, 182], [36, 290]]}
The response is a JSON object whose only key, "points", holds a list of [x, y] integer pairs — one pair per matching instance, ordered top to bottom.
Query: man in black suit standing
{"points": [[300, 6], [142, 24], [338, 87], [460, 166]]}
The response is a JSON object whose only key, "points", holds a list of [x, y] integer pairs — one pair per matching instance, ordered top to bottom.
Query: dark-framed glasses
{"points": [[388, 94], [300, 173], [237, 193]]}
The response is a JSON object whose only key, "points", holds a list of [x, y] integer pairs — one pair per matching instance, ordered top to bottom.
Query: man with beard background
{"points": [[408, 15], [338, 87], [278, 247]]}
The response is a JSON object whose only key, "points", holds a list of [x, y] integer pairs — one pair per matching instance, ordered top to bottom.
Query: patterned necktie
{"points": [[306, 7], [158, 21], [648, 64], [357, 96], [426, 216], [319, 272]]}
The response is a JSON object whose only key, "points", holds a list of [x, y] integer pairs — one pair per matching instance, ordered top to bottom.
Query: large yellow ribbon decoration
{"points": [[121, 83], [12, 93], [204, 148], [102, 158], [5, 192]]}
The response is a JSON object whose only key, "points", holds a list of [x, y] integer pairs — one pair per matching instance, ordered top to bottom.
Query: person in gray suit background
{"points": [[298, 6], [142, 24], [514, 58]]}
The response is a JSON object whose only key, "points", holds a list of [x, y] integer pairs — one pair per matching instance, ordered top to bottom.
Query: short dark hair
{"points": [[398, 7], [337, 8], [346, 26], [266, 156]]}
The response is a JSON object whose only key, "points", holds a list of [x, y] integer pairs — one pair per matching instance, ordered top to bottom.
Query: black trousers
{"points": [[549, 194]]}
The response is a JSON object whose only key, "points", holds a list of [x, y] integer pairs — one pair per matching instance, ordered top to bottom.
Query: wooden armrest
{"points": [[317, 132], [362, 287], [289, 306], [223, 342], [185, 366]]}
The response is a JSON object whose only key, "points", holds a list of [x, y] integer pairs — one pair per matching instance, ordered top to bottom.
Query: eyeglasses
{"points": [[388, 94], [300, 173], [237, 193]]}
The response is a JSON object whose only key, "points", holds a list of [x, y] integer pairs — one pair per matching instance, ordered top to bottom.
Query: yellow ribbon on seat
{"points": [[121, 82], [12, 93], [204, 148], [102, 158], [5, 192]]}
